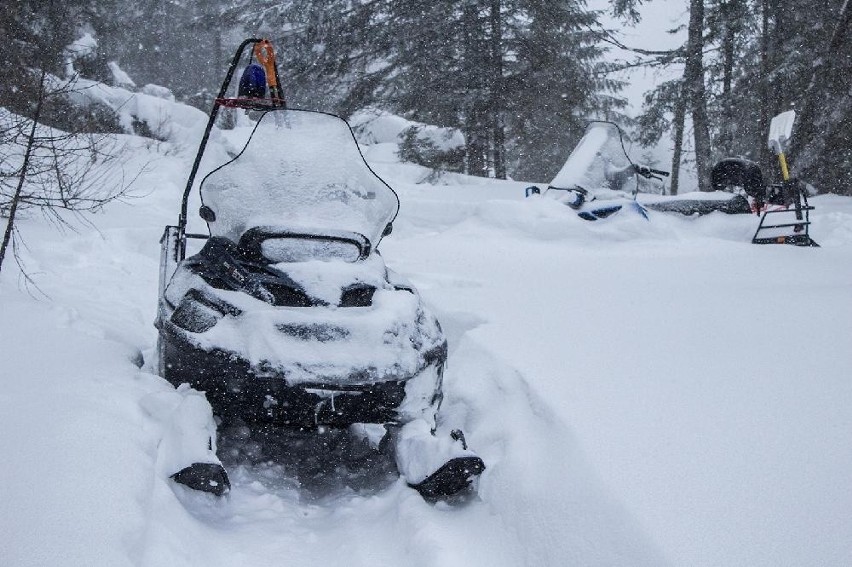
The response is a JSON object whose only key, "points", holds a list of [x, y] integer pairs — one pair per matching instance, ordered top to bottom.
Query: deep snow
{"points": [[642, 392]]}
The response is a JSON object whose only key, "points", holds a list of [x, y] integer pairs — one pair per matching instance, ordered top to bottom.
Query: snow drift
{"points": [[643, 393]]}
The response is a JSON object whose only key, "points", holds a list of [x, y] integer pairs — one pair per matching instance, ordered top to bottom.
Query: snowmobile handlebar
{"points": [[650, 173]]}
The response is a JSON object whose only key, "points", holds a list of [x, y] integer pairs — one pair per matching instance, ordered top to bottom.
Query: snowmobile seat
{"points": [[738, 172]]}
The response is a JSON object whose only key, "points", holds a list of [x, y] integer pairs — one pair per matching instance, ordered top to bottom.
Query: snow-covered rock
{"points": [[85, 46], [82, 47], [119, 77], [158, 91], [164, 118], [374, 126]]}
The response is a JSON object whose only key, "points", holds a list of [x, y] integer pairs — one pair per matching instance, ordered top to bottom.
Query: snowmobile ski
{"points": [[204, 477], [453, 477]]}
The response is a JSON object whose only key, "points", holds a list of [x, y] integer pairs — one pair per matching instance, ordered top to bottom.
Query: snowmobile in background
{"points": [[593, 179], [595, 182], [287, 318]]}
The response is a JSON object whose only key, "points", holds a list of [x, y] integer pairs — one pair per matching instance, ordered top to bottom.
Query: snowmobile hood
{"points": [[594, 160], [300, 171], [393, 338]]}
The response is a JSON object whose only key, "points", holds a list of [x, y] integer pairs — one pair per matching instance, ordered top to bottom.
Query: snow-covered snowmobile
{"points": [[596, 182], [287, 317]]}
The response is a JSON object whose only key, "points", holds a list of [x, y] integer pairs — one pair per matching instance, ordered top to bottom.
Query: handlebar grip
{"points": [[659, 172]]}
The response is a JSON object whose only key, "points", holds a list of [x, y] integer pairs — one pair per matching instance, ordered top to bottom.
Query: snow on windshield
{"points": [[592, 162], [300, 171]]}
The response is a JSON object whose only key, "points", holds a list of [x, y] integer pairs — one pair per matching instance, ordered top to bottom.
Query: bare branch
{"points": [[54, 172]]}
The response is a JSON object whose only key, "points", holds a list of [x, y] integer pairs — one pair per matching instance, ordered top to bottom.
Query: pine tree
{"points": [[727, 24], [35, 34], [183, 46], [792, 50], [458, 64], [518, 77], [693, 78], [556, 82], [823, 144]]}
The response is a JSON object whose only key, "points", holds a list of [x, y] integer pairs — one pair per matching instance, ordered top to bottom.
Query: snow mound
{"points": [[119, 77], [164, 118], [374, 126], [628, 384]]}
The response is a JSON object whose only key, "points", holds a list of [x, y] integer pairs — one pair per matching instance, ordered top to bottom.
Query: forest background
{"points": [[519, 78]]}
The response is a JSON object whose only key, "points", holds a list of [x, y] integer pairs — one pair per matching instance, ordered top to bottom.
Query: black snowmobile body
{"points": [[727, 174], [736, 205], [294, 206], [244, 278], [261, 391]]}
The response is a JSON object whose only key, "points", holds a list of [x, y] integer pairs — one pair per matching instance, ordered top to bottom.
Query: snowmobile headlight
{"points": [[357, 296], [198, 313]]}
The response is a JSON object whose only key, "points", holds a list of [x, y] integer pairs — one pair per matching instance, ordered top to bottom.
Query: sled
{"points": [[785, 202]]}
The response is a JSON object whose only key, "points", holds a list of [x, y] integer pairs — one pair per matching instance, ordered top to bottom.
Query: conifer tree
{"points": [[766, 56]]}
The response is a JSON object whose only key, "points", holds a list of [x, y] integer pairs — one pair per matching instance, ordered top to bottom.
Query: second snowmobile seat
{"points": [[738, 172]]}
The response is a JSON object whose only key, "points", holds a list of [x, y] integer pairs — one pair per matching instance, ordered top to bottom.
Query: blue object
{"points": [[253, 82], [641, 210], [599, 212]]}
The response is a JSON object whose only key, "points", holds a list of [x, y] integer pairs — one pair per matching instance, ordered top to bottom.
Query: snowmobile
{"points": [[595, 181], [287, 317]]}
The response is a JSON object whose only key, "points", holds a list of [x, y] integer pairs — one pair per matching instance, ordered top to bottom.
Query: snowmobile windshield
{"points": [[597, 162], [299, 172]]}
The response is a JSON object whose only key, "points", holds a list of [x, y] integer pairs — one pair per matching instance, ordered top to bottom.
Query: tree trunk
{"points": [[694, 83], [679, 119], [476, 125], [498, 134], [726, 134], [476, 142], [765, 157], [13, 209]]}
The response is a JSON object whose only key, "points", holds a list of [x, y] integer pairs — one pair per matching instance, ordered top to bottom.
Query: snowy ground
{"points": [[643, 393]]}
